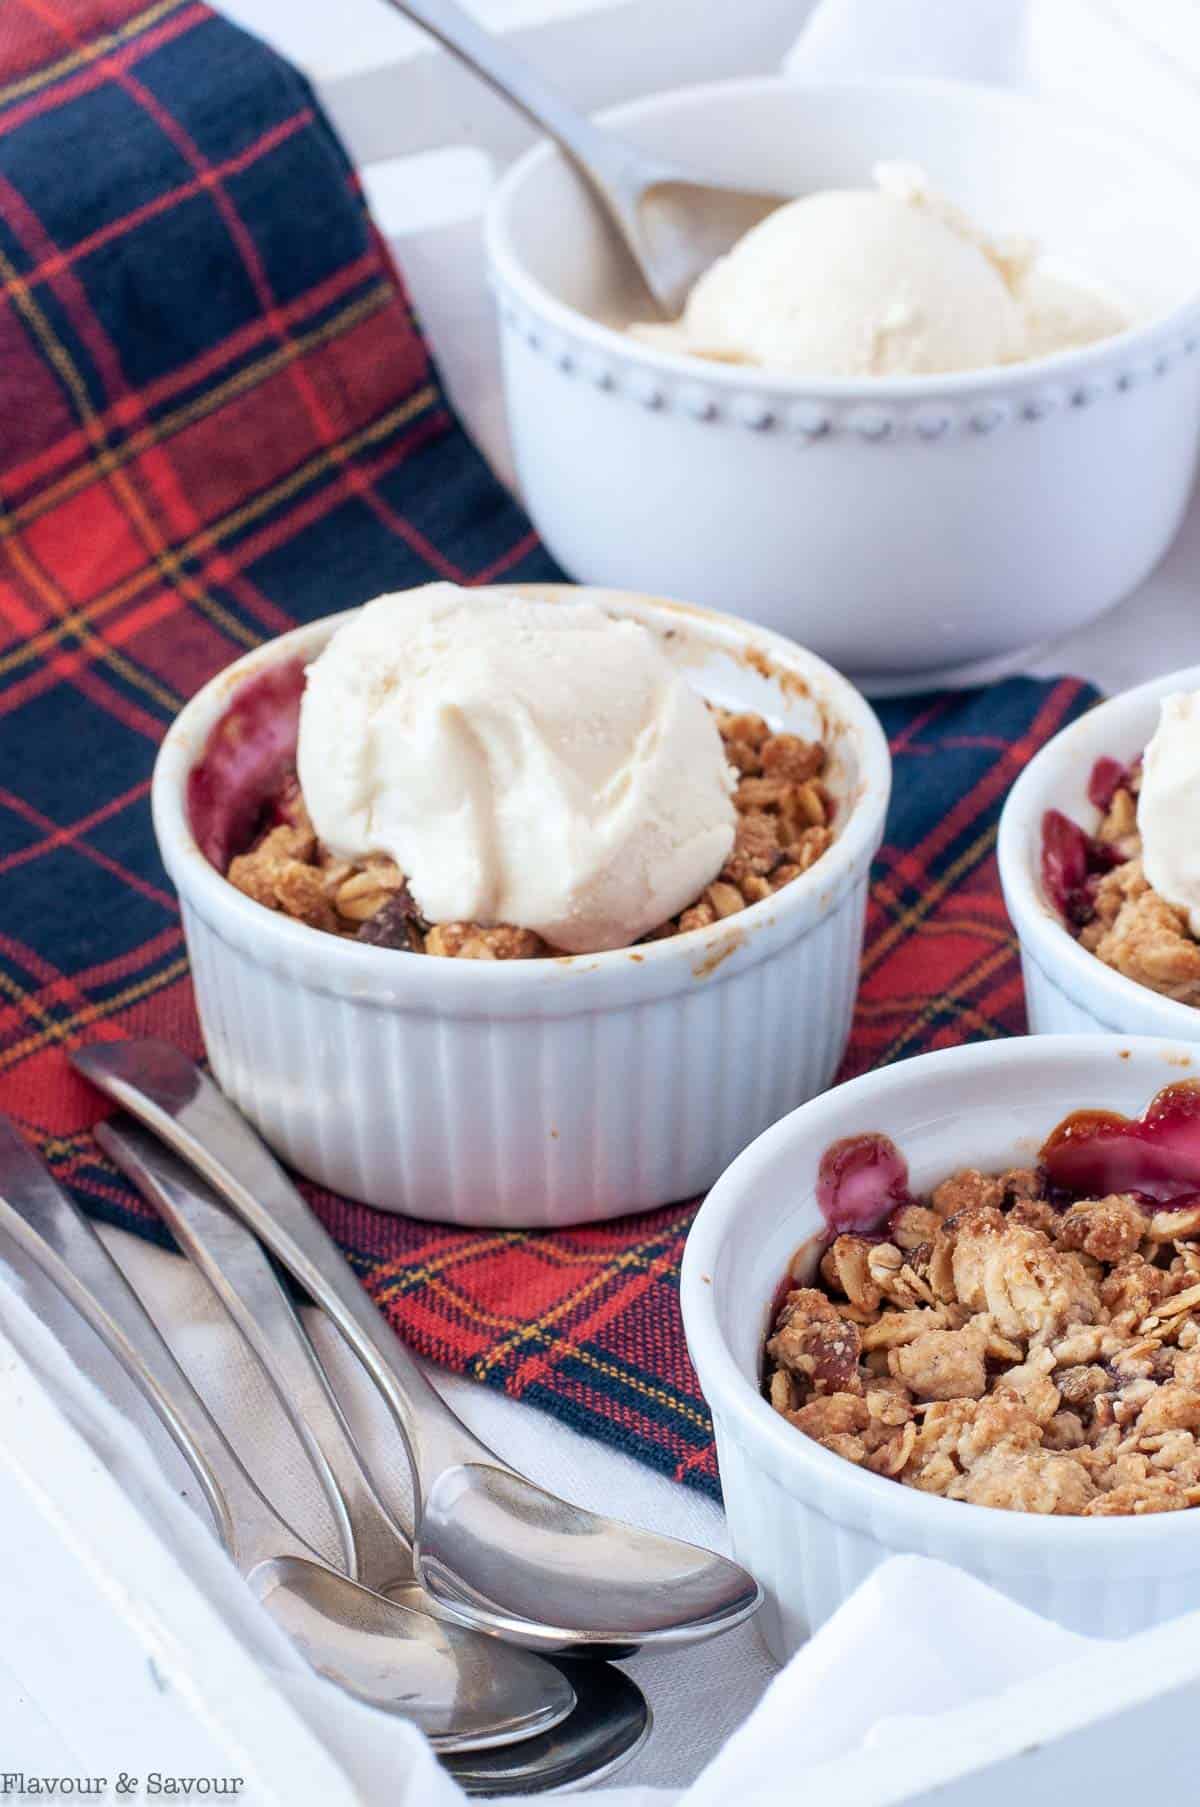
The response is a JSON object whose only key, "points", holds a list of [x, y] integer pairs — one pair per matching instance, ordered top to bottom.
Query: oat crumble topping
{"points": [[784, 814], [997, 1349]]}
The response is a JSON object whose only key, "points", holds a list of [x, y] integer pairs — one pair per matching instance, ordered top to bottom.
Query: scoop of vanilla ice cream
{"points": [[891, 281], [853, 283], [1058, 310], [1058, 313], [524, 762], [1169, 805]]}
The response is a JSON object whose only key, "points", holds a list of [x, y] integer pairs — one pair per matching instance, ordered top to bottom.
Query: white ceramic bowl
{"points": [[904, 527], [1066, 987], [542, 1092], [807, 1523]]}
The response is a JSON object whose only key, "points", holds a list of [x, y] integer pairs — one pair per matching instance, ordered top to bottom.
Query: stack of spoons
{"points": [[485, 1610]]}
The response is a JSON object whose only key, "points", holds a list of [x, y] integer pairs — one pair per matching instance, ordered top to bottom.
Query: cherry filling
{"points": [[247, 772], [1108, 775], [1073, 862], [1072, 865], [1094, 1153], [863, 1181], [860, 1182]]}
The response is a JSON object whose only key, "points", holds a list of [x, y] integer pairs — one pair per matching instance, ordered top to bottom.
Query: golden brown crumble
{"points": [[783, 827], [1134, 930], [997, 1349]]}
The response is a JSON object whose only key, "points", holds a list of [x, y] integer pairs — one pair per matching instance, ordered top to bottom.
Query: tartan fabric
{"points": [[220, 421]]}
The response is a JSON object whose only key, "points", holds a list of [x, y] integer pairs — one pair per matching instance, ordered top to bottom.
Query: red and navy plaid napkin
{"points": [[220, 420]]}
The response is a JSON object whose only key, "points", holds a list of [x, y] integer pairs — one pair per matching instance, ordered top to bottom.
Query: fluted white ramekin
{"points": [[1066, 987], [541, 1092], [810, 1525]]}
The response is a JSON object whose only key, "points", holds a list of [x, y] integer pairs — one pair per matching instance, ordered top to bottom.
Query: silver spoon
{"points": [[674, 221], [233, 1261], [498, 1552], [463, 1691], [610, 1720], [609, 1726]]}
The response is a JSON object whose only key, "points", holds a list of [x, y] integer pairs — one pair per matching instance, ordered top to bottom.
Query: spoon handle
{"points": [[617, 171], [167, 1092], [54, 1232], [235, 1265]]}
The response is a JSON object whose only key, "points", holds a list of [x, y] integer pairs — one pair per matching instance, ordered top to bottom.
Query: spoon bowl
{"points": [[673, 222], [681, 225], [673, 1592], [461, 1696], [608, 1727]]}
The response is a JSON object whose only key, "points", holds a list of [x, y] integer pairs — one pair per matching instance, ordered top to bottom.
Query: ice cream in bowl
{"points": [[888, 281], [938, 408], [497, 900]]}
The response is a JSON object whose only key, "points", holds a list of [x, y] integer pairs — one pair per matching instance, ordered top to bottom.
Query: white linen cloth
{"points": [[918, 1638]]}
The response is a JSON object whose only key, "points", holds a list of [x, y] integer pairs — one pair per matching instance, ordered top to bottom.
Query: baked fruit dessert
{"points": [[491, 779], [1129, 891], [1027, 1339]]}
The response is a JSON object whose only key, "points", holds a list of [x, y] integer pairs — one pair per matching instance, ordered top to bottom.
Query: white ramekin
{"points": [[903, 527], [1066, 987], [553, 1091], [810, 1525]]}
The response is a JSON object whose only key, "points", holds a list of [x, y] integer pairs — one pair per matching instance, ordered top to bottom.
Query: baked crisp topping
{"points": [[784, 815], [1113, 910], [996, 1347]]}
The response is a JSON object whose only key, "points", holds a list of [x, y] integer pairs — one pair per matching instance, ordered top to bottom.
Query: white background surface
{"points": [[391, 98]]}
